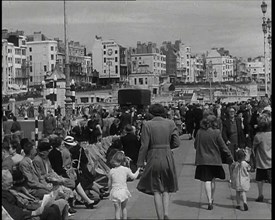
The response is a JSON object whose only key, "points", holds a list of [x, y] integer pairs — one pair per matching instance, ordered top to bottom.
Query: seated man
{"points": [[7, 162], [44, 170], [36, 187], [17, 209]]}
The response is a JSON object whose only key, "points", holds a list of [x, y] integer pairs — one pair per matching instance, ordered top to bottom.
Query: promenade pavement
{"points": [[190, 201]]}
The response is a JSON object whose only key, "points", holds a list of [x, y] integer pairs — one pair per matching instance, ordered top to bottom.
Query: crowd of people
{"points": [[238, 134]]}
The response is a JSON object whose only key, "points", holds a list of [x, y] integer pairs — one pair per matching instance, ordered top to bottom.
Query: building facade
{"points": [[150, 56], [41, 58], [14, 59], [109, 60], [221, 66], [255, 68]]}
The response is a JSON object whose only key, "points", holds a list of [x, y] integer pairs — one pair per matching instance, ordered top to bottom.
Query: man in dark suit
{"points": [[131, 146]]}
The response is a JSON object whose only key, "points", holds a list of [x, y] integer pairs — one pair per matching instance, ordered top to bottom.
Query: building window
{"points": [[23, 42], [104, 46], [52, 47], [30, 49], [17, 51], [115, 51], [23, 52], [104, 52], [187, 56], [52, 57], [30, 58], [140, 58], [104, 59], [115, 59], [18, 60], [187, 63], [52, 67], [45, 68], [31, 69], [116, 69], [104, 71], [30, 78], [135, 81], [140, 81], [146, 81]]}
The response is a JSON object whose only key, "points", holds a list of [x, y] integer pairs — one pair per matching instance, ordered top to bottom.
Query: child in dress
{"points": [[118, 175], [240, 178]]}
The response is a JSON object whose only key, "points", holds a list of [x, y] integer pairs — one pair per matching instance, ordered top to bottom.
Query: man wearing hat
{"points": [[131, 146], [44, 169], [36, 186]]}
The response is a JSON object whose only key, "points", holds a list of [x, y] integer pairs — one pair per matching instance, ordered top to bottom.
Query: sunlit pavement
{"points": [[190, 201]]}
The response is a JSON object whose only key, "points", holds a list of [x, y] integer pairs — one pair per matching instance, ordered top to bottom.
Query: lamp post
{"points": [[264, 27], [269, 41], [67, 68], [209, 71], [44, 95]]}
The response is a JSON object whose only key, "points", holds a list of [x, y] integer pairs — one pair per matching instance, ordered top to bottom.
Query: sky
{"points": [[235, 25]]}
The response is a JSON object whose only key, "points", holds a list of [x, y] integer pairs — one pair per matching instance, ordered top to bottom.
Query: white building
{"points": [[41, 57], [109, 60], [155, 61], [222, 66], [196, 68], [255, 68], [5, 69], [14, 73], [145, 81]]}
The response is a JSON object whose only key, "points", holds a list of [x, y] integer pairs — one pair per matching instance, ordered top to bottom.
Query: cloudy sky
{"points": [[201, 24]]}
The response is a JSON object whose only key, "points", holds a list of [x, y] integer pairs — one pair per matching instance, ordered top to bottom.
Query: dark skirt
{"points": [[208, 172], [159, 174], [264, 175]]}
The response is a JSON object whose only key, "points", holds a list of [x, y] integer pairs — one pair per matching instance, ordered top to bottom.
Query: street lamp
{"points": [[264, 27], [209, 71], [44, 95]]}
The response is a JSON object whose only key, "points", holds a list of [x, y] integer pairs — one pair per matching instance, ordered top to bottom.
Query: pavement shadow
{"points": [[187, 203]]}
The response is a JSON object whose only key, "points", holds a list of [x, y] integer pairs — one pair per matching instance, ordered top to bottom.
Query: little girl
{"points": [[118, 175], [240, 178]]}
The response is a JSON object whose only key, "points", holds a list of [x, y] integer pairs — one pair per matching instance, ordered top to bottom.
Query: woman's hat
{"points": [[69, 140]]}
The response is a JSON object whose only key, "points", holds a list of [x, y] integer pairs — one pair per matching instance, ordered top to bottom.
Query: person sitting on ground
{"points": [[56, 160], [44, 170], [85, 174], [36, 187], [18, 206]]}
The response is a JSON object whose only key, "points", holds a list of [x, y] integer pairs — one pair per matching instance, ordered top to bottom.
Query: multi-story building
{"points": [[14, 47], [148, 55], [41, 57], [109, 60], [80, 64], [220, 65], [255, 68], [5, 69], [196, 70], [144, 79]]}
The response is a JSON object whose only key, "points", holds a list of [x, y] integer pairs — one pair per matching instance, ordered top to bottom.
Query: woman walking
{"points": [[209, 145], [262, 149], [159, 178]]}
